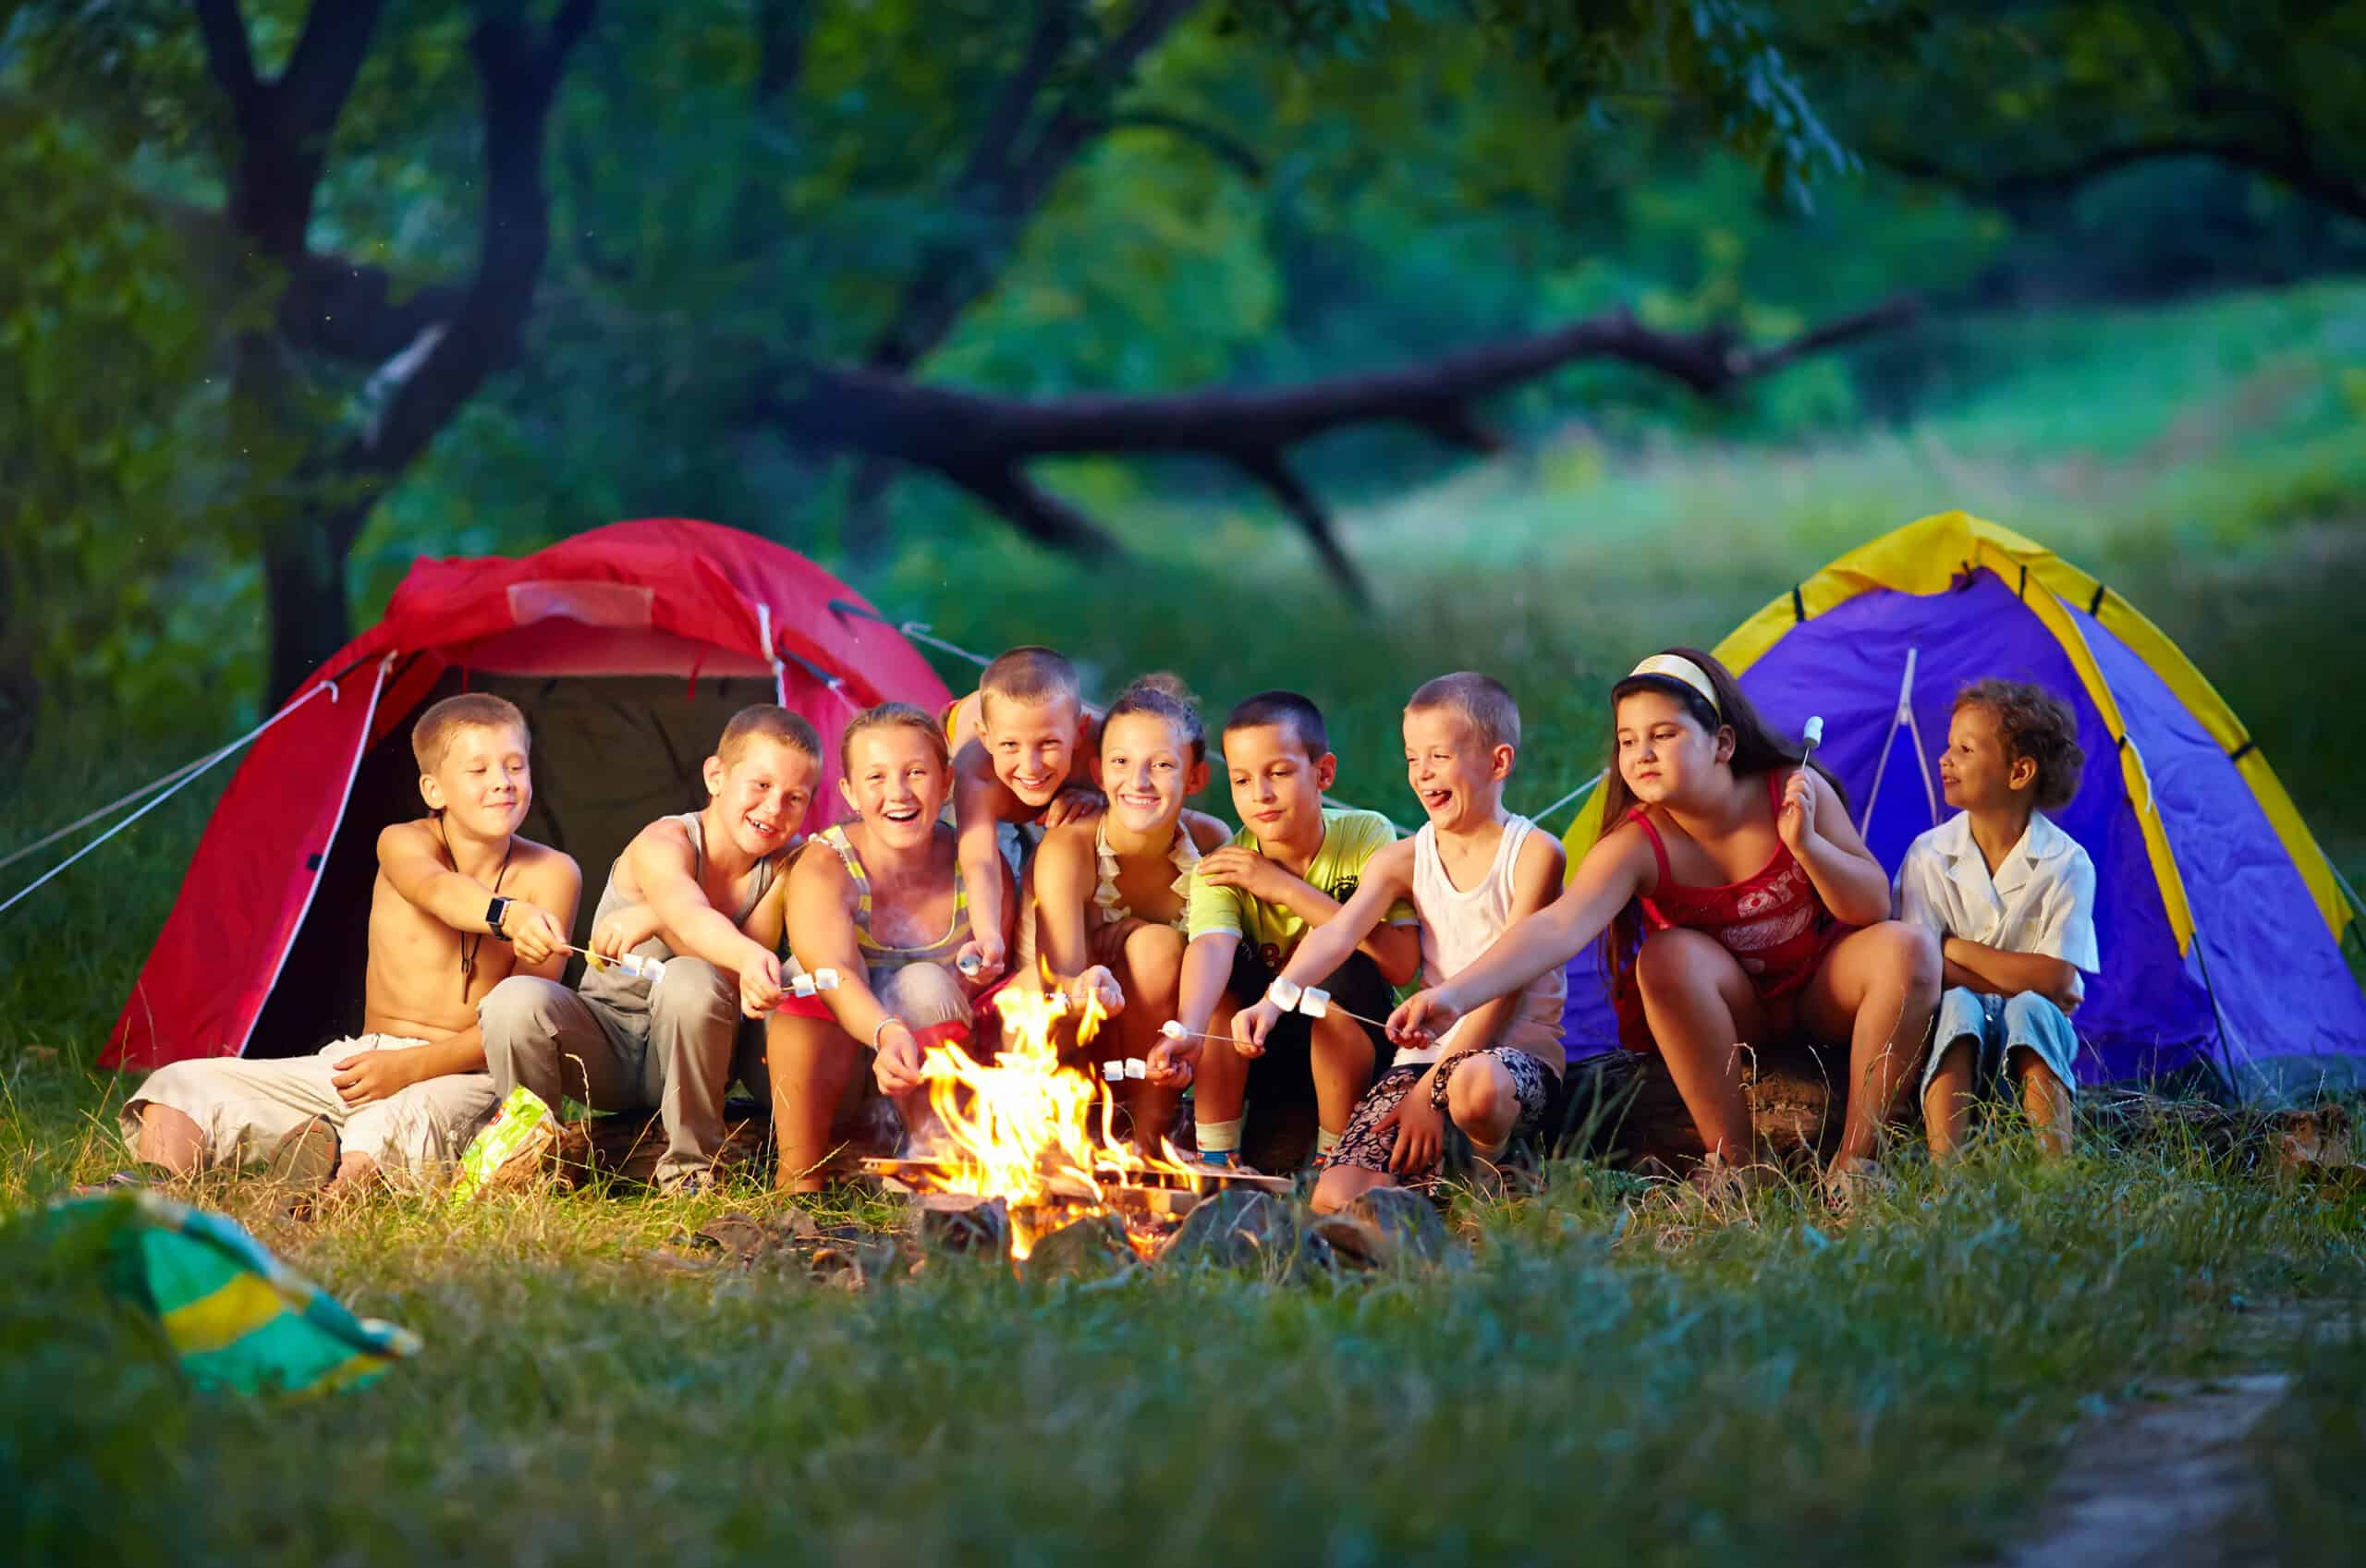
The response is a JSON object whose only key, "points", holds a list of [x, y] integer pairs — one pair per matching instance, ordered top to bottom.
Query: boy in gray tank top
{"points": [[680, 892]]}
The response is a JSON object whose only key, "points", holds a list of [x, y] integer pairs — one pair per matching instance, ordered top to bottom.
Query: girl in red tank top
{"points": [[1735, 905], [1773, 921]]}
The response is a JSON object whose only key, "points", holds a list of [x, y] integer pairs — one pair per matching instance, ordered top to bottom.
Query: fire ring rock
{"points": [[1406, 1222], [961, 1224], [1249, 1230], [1081, 1249]]}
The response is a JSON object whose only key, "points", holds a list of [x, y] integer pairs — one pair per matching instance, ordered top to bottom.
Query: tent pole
{"points": [[1902, 714]]}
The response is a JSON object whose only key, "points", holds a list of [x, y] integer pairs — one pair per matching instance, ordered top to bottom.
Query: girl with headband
{"points": [[1735, 905]]}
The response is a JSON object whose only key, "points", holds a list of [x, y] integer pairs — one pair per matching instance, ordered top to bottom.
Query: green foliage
{"points": [[131, 585]]}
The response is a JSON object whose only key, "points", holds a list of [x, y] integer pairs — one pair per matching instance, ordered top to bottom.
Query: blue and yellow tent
{"points": [[2220, 920]]}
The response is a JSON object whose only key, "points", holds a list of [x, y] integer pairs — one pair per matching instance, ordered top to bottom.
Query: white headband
{"points": [[1674, 667]]}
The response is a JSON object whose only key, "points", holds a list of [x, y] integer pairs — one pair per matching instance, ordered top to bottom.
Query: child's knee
{"points": [[1913, 952], [1154, 960], [1675, 961], [923, 994], [522, 1008], [1341, 1041], [1481, 1094], [1340, 1186]]}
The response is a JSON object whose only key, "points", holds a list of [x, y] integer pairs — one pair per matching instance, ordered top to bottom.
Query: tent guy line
{"points": [[187, 774]]}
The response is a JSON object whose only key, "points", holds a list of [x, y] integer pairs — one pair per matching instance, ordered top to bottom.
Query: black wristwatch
{"points": [[493, 914]]}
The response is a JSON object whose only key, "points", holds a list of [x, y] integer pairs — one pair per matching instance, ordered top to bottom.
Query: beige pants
{"points": [[245, 1106]]}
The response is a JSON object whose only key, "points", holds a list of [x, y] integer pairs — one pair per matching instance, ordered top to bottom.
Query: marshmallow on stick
{"points": [[1812, 733], [633, 964], [812, 983]]}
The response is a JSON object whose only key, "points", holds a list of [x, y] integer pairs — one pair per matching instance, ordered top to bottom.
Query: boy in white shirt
{"points": [[2013, 900]]}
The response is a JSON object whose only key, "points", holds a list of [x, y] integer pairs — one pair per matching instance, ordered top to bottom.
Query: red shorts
{"points": [[957, 1031]]}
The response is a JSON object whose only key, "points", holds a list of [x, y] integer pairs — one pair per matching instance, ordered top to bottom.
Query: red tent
{"points": [[627, 647]]}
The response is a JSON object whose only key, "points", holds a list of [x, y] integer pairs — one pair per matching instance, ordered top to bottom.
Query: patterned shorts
{"points": [[1366, 1146]]}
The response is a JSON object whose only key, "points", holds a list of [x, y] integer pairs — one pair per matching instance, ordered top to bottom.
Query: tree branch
{"points": [[222, 29], [782, 29], [518, 72], [311, 93], [1215, 141], [1001, 185], [983, 444]]}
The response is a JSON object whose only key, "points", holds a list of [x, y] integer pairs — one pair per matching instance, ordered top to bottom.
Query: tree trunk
{"points": [[304, 559], [1624, 1107]]}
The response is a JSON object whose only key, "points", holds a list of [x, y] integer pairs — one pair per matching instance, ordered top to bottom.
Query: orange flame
{"points": [[1023, 1127]]}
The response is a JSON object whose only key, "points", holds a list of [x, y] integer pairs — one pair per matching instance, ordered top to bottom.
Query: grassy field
{"points": [[1602, 1375]]}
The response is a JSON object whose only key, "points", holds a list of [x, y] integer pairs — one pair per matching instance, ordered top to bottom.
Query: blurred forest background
{"points": [[1405, 335]]}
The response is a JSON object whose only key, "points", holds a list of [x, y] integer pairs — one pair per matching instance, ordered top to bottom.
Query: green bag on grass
{"points": [[235, 1315]]}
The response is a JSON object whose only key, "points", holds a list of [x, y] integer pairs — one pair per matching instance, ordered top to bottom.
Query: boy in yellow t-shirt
{"points": [[1292, 867]]}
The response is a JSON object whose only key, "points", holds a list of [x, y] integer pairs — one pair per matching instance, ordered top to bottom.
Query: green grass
{"points": [[1603, 1377]]}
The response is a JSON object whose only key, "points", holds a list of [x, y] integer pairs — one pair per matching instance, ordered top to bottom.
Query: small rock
{"points": [[1406, 1222], [960, 1223], [1250, 1229], [1352, 1240], [1086, 1248]]}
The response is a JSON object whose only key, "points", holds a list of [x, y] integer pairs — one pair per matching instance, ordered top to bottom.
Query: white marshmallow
{"points": [[1812, 731], [1284, 993], [1315, 1001], [1174, 1030], [1136, 1068], [1113, 1071]]}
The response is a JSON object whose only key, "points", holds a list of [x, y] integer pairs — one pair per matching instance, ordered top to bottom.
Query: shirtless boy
{"points": [[680, 892], [460, 905]]}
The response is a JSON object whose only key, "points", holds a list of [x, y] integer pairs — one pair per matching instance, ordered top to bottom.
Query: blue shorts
{"points": [[2002, 1025]]}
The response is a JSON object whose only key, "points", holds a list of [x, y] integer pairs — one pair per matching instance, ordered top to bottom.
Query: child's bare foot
{"points": [[1853, 1182], [1728, 1189]]}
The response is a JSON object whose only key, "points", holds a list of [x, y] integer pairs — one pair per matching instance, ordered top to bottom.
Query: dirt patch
{"points": [[2169, 1477]]}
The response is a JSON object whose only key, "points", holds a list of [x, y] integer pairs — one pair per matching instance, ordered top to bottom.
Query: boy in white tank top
{"points": [[1471, 870]]}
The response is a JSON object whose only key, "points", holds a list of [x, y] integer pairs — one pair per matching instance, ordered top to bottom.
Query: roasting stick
{"points": [[1312, 1002]]}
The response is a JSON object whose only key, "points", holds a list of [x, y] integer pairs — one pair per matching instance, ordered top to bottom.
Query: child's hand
{"points": [[1077, 803], [1796, 822], [1236, 864], [531, 932], [620, 932], [980, 960], [760, 982], [1100, 983], [1421, 1018], [1252, 1024], [1171, 1061], [898, 1067], [370, 1075], [1420, 1131]]}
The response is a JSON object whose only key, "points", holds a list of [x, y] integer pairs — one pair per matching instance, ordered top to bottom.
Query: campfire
{"points": [[1041, 1136]]}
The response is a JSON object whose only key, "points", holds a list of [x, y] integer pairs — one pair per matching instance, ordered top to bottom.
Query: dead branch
{"points": [[983, 444]]}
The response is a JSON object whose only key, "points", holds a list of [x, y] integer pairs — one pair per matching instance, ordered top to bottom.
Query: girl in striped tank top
{"points": [[882, 901], [1735, 904]]}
